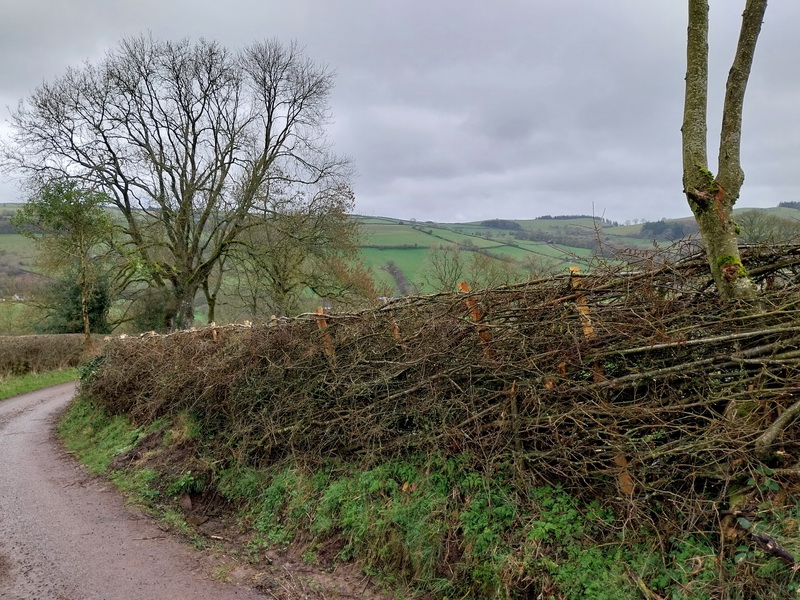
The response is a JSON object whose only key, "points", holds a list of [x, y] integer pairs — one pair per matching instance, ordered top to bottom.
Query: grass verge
{"points": [[22, 384], [428, 526]]}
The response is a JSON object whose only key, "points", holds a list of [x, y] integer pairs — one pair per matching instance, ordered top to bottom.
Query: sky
{"points": [[460, 110]]}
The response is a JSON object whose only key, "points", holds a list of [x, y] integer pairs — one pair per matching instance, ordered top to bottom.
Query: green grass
{"points": [[395, 235], [17, 252], [408, 260], [16, 318], [22, 384], [96, 437], [432, 526]]}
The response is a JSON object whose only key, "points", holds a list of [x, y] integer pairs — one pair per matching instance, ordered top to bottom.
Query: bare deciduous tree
{"points": [[185, 139], [712, 197], [760, 227], [307, 246], [447, 265], [444, 267]]}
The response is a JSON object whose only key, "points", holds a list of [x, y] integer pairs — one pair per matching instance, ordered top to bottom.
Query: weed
{"points": [[21, 384], [184, 427], [96, 437], [762, 480], [138, 483], [187, 483], [239, 484], [270, 506], [175, 520], [223, 572]]}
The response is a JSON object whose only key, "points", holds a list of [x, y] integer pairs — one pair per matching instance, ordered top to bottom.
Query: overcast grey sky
{"points": [[459, 110]]}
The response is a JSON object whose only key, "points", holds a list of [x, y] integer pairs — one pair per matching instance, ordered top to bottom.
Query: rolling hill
{"points": [[391, 246]]}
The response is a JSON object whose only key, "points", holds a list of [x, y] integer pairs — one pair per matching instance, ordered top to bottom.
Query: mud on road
{"points": [[65, 535]]}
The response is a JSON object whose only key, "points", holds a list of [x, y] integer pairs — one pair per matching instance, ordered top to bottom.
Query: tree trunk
{"points": [[712, 198], [85, 291], [212, 305], [180, 310], [87, 332]]}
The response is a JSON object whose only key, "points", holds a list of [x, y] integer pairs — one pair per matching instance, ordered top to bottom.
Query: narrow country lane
{"points": [[67, 536]]}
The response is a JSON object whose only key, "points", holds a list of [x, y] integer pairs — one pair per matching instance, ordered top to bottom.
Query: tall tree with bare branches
{"points": [[185, 139], [712, 197]]}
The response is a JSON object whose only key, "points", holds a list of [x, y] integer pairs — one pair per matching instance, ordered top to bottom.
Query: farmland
{"points": [[397, 254]]}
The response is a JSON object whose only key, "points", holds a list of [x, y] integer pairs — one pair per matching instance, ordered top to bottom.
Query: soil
{"points": [[67, 535]]}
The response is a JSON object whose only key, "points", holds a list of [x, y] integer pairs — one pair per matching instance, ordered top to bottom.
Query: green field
{"points": [[406, 244], [551, 244], [16, 252]]}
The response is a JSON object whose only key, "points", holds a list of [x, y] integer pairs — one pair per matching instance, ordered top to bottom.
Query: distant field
{"points": [[778, 211], [395, 235], [406, 242], [17, 251], [408, 260]]}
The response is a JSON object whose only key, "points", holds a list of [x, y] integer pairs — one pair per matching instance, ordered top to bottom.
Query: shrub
{"points": [[37, 353]]}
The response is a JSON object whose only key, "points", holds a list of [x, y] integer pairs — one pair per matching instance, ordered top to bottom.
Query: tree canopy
{"points": [[187, 140], [69, 225]]}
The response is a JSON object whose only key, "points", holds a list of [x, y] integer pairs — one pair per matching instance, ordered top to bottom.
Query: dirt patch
{"points": [[151, 442], [5, 569], [278, 574], [286, 580]]}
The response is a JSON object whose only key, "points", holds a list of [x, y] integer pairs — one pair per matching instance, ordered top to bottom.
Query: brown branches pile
{"points": [[637, 382]]}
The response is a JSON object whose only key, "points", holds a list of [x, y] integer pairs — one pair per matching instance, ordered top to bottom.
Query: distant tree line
{"points": [[795, 205], [569, 217], [5, 223], [502, 224], [761, 227], [667, 230], [575, 240], [403, 284]]}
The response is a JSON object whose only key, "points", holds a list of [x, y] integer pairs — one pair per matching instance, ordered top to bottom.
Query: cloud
{"points": [[456, 109]]}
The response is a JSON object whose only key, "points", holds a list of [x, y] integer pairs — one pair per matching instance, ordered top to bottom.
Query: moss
{"points": [[707, 175], [701, 198], [728, 260], [731, 267]]}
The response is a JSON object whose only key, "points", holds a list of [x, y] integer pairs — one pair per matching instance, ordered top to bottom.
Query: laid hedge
{"points": [[36, 353], [625, 379], [616, 435]]}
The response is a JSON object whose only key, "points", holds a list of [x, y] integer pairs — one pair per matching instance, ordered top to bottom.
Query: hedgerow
{"points": [[619, 431]]}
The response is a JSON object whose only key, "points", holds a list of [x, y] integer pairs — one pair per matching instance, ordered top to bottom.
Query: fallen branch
{"points": [[765, 442]]}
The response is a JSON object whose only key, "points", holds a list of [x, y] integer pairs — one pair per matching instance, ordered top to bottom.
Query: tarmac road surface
{"points": [[65, 535]]}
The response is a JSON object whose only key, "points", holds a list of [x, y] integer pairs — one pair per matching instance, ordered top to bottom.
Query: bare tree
{"points": [[186, 139], [712, 197], [760, 227], [305, 247], [444, 266]]}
